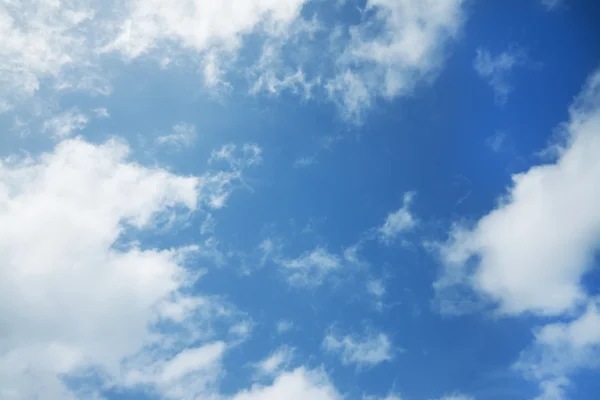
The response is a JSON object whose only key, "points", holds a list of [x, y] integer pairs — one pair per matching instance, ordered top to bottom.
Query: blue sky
{"points": [[299, 199]]}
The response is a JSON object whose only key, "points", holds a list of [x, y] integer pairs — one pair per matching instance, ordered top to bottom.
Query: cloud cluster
{"points": [[398, 44], [68, 45], [530, 254], [77, 295]]}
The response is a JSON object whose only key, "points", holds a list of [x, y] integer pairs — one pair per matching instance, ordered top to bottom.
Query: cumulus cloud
{"points": [[397, 45], [496, 70], [399, 221], [530, 253], [77, 295], [366, 350], [559, 350]]}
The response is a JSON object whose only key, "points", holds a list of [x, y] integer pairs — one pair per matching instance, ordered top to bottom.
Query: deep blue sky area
{"points": [[359, 171]]}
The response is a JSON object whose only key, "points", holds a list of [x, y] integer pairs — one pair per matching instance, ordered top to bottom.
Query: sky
{"points": [[299, 199]]}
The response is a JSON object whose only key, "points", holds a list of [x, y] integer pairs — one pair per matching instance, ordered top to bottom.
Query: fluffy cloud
{"points": [[208, 29], [409, 47], [495, 69], [399, 221], [531, 252], [77, 295], [560, 349], [361, 350], [299, 384]]}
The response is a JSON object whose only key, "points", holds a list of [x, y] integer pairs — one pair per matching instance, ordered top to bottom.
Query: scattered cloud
{"points": [[214, 31], [50, 43], [409, 48], [496, 70], [101, 112], [65, 124], [183, 136], [497, 141], [324, 144], [220, 185], [399, 221], [530, 253], [310, 268], [284, 326], [365, 350], [559, 350], [277, 361], [191, 372], [299, 384], [457, 397]]}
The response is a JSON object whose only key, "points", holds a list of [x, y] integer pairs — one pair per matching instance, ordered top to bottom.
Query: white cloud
{"points": [[551, 4], [214, 31], [44, 40], [409, 47], [496, 70], [101, 112], [65, 123], [183, 135], [219, 186], [399, 221], [531, 252], [310, 268], [376, 288], [76, 295], [71, 302], [284, 326], [242, 330], [365, 350], [559, 350], [277, 361], [193, 371], [299, 384], [457, 397]]}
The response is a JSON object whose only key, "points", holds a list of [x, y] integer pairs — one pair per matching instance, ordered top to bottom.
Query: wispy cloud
{"points": [[496, 70], [65, 124], [182, 136], [399, 221], [310, 268], [365, 350], [276, 362]]}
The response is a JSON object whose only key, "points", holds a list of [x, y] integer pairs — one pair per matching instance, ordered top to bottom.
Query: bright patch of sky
{"points": [[299, 199]]}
